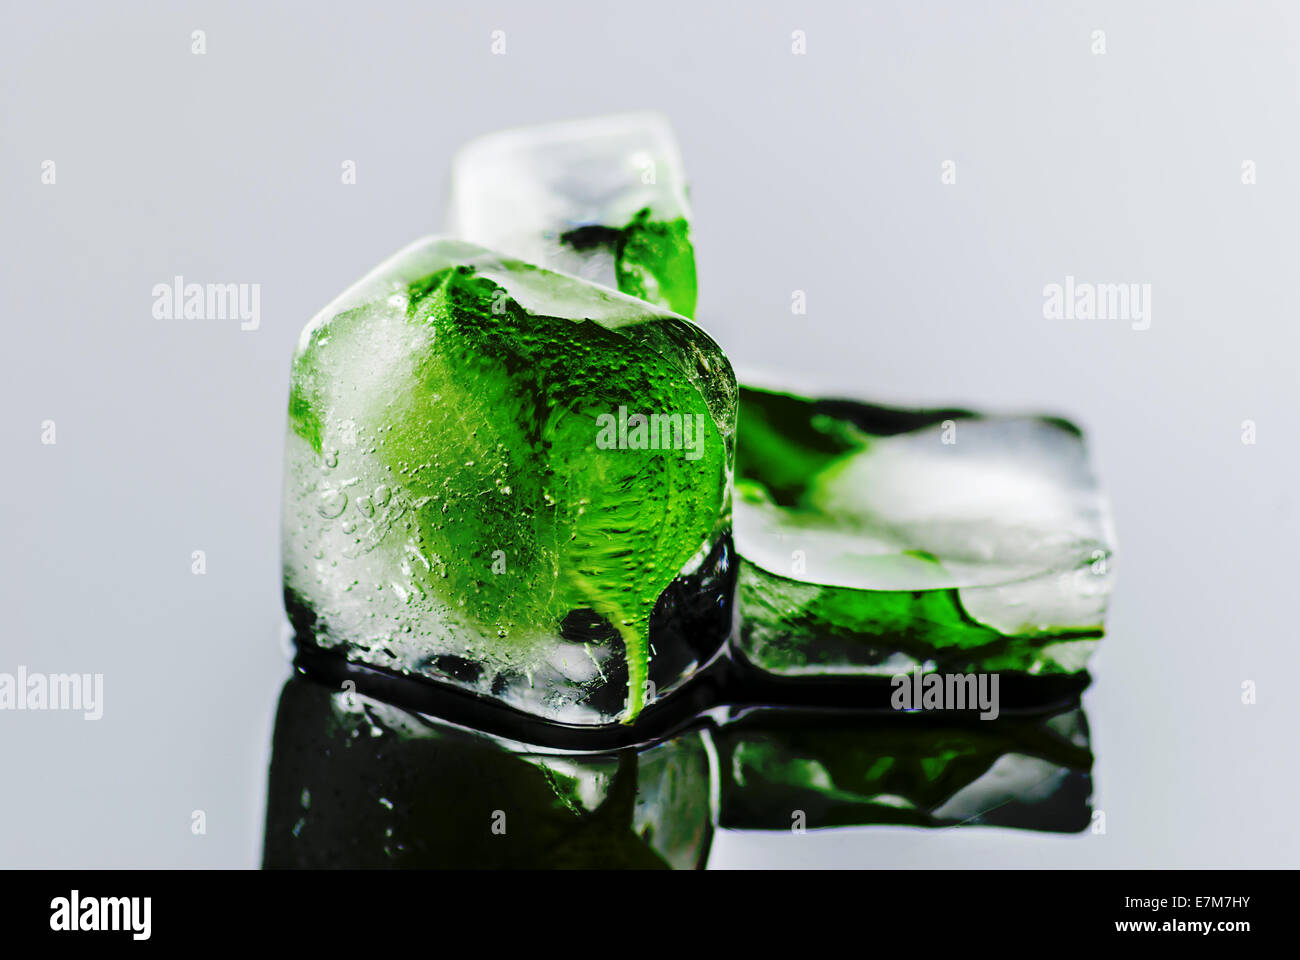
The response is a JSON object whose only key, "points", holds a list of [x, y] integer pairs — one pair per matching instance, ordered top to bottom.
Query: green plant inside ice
{"points": [[456, 470], [876, 540]]}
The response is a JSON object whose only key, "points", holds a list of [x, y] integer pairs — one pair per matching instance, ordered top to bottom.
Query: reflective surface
{"points": [[818, 173], [358, 782]]}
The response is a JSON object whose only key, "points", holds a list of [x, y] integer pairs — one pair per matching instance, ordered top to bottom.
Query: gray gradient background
{"points": [[816, 172]]}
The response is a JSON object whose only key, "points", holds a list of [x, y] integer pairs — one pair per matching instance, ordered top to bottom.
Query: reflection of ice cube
{"points": [[567, 195], [1031, 772], [1013, 778], [358, 783]]}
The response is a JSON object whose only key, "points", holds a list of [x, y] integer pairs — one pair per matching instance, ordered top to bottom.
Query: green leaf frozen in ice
{"points": [[457, 410], [876, 540]]}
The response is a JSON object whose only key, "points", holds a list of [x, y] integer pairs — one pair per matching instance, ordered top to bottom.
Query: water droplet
{"points": [[332, 459], [382, 493], [332, 503], [366, 507]]}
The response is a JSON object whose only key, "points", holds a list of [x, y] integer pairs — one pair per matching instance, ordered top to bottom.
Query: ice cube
{"points": [[603, 198], [512, 481], [876, 541]]}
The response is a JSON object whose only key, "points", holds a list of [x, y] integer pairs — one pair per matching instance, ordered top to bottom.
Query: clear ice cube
{"points": [[604, 199], [471, 495], [878, 541]]}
